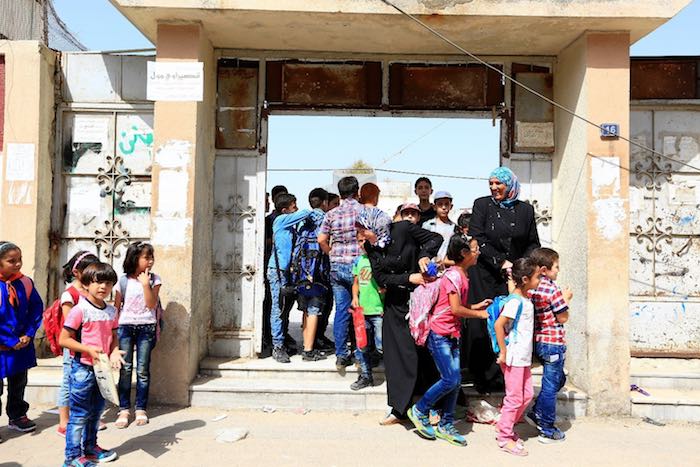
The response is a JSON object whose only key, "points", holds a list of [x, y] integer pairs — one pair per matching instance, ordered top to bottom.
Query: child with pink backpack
{"points": [[443, 341]]}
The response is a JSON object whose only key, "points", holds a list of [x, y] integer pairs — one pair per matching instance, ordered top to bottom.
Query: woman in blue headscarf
{"points": [[506, 230]]}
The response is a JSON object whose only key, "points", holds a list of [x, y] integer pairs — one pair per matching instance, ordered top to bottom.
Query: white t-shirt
{"points": [[446, 230], [66, 297], [134, 310], [519, 349]]}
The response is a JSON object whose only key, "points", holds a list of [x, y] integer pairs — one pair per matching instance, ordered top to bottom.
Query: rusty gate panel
{"points": [[664, 79], [307, 85], [451, 87], [237, 103], [533, 117]]}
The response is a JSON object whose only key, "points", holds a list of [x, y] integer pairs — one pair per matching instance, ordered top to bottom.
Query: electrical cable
{"points": [[524, 86]]}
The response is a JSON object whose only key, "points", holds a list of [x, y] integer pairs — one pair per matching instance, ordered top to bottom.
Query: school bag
{"points": [[309, 269], [123, 280], [421, 307], [494, 310], [53, 321]]}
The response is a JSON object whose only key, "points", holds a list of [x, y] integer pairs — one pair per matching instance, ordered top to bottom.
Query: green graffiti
{"points": [[132, 137]]}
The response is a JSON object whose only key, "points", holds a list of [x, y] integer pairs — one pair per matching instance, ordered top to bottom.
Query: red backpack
{"points": [[53, 321]]}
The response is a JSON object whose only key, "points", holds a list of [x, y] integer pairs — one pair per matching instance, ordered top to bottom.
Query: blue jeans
{"points": [[277, 281], [341, 281], [373, 325], [143, 336], [445, 352], [553, 379], [64, 391], [86, 405]]}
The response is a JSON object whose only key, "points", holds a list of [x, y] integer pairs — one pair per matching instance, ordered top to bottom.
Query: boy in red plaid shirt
{"points": [[551, 312]]}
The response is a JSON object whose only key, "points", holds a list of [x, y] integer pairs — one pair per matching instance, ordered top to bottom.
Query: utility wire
{"points": [[524, 86], [400, 151], [402, 172]]}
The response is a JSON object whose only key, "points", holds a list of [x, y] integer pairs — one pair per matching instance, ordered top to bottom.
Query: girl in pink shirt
{"points": [[444, 342]]}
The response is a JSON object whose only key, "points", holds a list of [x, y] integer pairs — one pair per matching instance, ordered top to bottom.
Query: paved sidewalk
{"points": [[187, 437]]}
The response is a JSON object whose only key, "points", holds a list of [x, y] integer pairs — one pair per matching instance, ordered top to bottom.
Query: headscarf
{"points": [[509, 179], [378, 222], [11, 292]]}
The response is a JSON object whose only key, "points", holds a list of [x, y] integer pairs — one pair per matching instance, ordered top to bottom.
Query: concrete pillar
{"points": [[25, 191], [591, 215], [182, 216]]}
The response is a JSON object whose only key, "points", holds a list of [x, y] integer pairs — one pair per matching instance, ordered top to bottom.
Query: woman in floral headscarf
{"points": [[506, 230]]}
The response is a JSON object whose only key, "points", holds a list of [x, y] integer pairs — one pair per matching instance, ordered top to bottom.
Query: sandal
{"points": [[141, 418], [122, 419], [513, 447]]}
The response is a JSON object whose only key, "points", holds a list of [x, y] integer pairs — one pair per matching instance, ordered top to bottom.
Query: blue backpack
{"points": [[309, 270], [494, 310]]}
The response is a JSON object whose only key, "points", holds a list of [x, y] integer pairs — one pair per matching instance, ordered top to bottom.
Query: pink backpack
{"points": [[421, 305]]}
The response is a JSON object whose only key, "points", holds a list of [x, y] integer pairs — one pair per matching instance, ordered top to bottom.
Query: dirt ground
{"points": [[187, 437]]}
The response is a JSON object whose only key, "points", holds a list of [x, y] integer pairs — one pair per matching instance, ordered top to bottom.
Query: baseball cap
{"points": [[441, 195], [409, 206]]}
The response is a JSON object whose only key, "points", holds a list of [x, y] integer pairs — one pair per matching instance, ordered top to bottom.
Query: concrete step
{"points": [[296, 370], [665, 373], [255, 383], [667, 405]]}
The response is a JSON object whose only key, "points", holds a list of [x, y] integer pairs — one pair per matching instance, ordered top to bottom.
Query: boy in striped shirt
{"points": [[551, 312]]}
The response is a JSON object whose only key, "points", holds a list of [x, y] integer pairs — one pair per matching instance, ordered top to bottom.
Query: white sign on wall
{"points": [[175, 81], [90, 129], [20, 162]]}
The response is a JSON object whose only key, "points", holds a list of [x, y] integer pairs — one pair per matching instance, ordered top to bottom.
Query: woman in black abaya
{"points": [[506, 230], [397, 269]]}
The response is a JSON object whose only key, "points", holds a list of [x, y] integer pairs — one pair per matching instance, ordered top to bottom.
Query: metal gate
{"points": [[104, 192], [664, 231]]}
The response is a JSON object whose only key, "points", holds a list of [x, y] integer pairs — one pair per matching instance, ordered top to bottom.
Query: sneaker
{"points": [[291, 345], [266, 351], [280, 355], [312, 356], [342, 362], [362, 382], [531, 419], [421, 422], [22, 424], [61, 431], [449, 433], [551, 437], [100, 456], [79, 462]]}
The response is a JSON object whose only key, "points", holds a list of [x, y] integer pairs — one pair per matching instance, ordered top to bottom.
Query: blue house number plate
{"points": [[609, 130]]}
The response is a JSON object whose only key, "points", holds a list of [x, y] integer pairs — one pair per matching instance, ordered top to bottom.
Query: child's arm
{"points": [[356, 292], [150, 294], [118, 300], [560, 304], [36, 310], [475, 311], [562, 317], [500, 328], [68, 341], [116, 355]]}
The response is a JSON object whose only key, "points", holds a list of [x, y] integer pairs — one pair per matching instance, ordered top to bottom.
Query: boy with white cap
{"points": [[442, 224]]}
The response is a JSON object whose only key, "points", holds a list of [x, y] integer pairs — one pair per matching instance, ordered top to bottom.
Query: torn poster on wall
{"points": [[175, 81], [20, 162]]}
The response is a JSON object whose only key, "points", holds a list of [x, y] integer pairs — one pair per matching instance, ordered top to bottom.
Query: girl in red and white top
{"points": [[444, 342]]}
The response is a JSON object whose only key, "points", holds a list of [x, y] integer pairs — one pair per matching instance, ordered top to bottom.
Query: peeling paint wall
{"points": [[664, 230]]}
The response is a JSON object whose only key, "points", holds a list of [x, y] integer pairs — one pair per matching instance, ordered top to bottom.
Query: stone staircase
{"points": [[256, 384], [673, 385]]}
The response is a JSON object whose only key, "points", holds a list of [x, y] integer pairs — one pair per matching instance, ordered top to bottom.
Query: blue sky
{"points": [[335, 142]]}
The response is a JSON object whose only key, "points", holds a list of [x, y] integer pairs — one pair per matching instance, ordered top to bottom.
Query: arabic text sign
{"points": [[175, 81], [90, 129]]}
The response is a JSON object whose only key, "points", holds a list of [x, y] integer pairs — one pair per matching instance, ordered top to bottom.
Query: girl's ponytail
{"points": [[77, 263]]}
